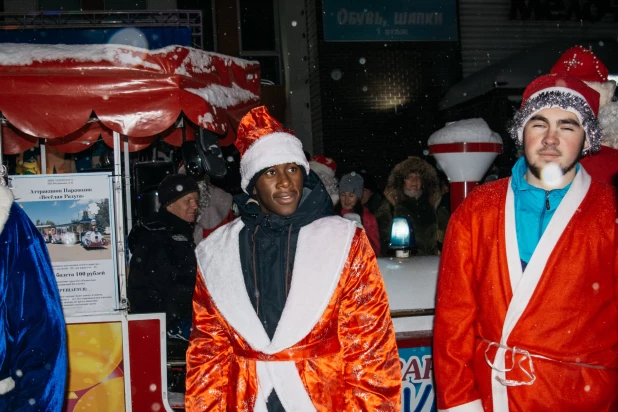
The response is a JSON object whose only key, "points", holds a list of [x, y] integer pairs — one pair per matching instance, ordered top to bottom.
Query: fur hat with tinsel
{"points": [[585, 65], [564, 92], [263, 142]]}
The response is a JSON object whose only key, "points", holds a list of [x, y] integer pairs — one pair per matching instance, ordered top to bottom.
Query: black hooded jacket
{"points": [[267, 251], [163, 267]]}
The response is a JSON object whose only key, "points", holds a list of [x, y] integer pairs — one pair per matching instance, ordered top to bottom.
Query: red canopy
{"points": [[52, 91]]}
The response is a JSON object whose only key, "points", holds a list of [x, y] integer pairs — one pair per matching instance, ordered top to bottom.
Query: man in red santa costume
{"points": [[585, 65], [290, 311], [527, 313]]}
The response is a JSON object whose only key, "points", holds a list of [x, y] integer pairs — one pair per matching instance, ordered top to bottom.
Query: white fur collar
{"points": [[6, 200], [317, 270]]}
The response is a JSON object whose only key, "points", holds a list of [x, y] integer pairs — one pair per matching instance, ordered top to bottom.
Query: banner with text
{"points": [[390, 20], [74, 214], [417, 387]]}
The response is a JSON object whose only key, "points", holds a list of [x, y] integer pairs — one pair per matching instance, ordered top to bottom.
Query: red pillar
{"points": [[459, 191]]}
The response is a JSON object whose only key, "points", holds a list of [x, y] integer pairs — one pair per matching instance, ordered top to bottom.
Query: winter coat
{"points": [[603, 166], [420, 213], [371, 228], [274, 239], [163, 268], [321, 269], [560, 313], [33, 358]]}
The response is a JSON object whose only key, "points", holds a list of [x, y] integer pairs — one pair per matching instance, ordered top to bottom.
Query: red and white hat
{"points": [[585, 65], [565, 92], [263, 142], [323, 165]]}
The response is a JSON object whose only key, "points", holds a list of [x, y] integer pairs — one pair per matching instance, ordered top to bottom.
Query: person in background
{"points": [[585, 65], [325, 168], [413, 193], [350, 194], [372, 196], [215, 208], [163, 265], [526, 305], [290, 310], [33, 353]]}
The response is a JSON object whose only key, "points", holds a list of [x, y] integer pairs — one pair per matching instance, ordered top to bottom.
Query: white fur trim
{"points": [[606, 91], [271, 150], [321, 169], [6, 200], [317, 271], [523, 287], [6, 385], [474, 406]]}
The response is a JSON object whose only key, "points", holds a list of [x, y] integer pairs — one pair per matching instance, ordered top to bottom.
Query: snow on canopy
{"points": [[55, 92], [465, 131]]}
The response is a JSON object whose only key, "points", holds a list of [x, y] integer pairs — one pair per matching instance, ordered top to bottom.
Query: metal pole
{"points": [[1, 142], [43, 148], [127, 185], [120, 252]]}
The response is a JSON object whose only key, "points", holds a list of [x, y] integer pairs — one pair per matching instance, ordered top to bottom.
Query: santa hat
{"points": [[585, 65], [564, 92], [263, 142], [323, 165]]}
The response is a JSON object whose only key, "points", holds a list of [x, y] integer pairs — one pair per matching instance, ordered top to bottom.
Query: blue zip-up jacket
{"points": [[534, 208]]}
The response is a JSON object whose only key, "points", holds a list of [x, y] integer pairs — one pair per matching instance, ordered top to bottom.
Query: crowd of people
{"points": [[277, 294], [278, 317]]}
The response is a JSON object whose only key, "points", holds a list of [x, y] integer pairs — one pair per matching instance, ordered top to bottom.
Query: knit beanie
{"points": [[263, 142], [353, 183], [173, 187]]}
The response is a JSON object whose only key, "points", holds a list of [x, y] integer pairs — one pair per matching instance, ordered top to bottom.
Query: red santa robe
{"points": [[603, 166], [544, 339], [334, 348]]}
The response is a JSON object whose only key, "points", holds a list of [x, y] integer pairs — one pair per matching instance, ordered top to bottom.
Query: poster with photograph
{"points": [[74, 214]]}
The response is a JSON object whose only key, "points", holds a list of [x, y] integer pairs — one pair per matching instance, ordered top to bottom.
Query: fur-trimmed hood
{"points": [[429, 176], [6, 200]]}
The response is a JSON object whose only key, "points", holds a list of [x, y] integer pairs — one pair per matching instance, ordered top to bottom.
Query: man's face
{"points": [[553, 136], [412, 183], [279, 189], [348, 200], [185, 207]]}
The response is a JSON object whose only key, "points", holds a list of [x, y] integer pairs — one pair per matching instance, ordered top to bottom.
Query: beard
{"points": [[536, 170], [413, 193]]}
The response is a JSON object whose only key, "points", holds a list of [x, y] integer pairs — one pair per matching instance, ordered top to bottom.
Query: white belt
{"points": [[526, 356]]}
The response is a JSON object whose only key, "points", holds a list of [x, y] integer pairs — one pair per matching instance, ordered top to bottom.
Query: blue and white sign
{"points": [[390, 20], [417, 386]]}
